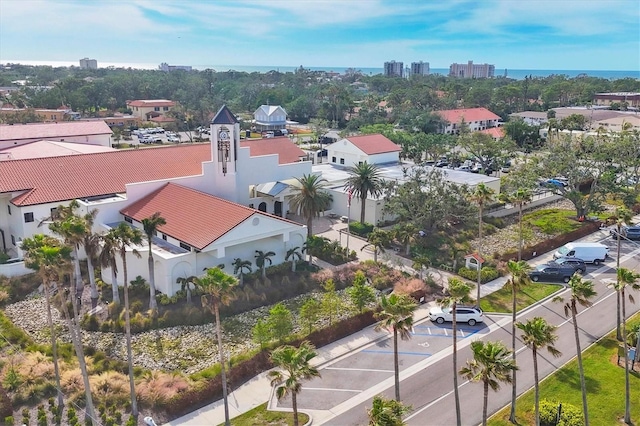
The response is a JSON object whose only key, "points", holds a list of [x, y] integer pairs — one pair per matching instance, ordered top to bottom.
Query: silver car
{"points": [[470, 315]]}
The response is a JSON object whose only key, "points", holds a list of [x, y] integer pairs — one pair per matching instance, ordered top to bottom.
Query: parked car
{"points": [[173, 138], [442, 162], [553, 182], [631, 232], [595, 253], [578, 264], [552, 273], [470, 315]]}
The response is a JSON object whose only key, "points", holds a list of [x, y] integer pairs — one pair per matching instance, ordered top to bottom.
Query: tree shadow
{"points": [[572, 378]]}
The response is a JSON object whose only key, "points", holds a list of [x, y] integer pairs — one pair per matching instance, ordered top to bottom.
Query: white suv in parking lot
{"points": [[468, 314]]}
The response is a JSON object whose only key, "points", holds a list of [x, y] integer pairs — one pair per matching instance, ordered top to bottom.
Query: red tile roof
{"points": [[151, 103], [454, 116], [162, 119], [52, 130], [495, 132], [374, 144], [287, 151], [55, 179], [198, 219]]}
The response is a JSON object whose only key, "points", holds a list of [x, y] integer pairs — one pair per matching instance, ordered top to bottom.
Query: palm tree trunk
{"points": [[363, 204], [309, 226], [520, 233], [479, 255], [293, 265], [77, 274], [92, 282], [114, 284], [188, 287], [153, 304], [127, 326], [618, 334], [54, 344], [396, 364], [455, 367], [223, 373], [536, 385], [583, 386], [514, 392], [627, 399], [294, 403], [485, 403]]}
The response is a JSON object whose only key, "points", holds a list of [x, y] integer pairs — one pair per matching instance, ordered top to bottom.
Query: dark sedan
{"points": [[577, 264], [552, 273]]}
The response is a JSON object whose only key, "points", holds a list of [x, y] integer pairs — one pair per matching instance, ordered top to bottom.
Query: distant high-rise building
{"points": [[88, 64], [168, 68], [420, 68], [394, 69], [471, 70]]}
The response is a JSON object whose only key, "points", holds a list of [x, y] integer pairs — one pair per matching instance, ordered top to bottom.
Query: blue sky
{"points": [[515, 34]]}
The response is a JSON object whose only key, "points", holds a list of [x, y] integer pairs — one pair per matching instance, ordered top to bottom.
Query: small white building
{"points": [[270, 117], [82, 132], [353, 150]]}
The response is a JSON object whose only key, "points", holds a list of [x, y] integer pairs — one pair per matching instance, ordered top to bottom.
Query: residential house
{"points": [[146, 109], [270, 117], [474, 118], [532, 118]]}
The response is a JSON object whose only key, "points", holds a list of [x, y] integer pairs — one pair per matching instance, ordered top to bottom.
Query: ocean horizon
{"points": [[514, 73]]}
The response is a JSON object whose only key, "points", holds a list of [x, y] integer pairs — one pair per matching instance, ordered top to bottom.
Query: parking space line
{"points": [[399, 353], [358, 369], [332, 390]]}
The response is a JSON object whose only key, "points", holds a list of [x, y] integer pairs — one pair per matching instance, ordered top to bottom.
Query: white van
{"points": [[594, 253]]}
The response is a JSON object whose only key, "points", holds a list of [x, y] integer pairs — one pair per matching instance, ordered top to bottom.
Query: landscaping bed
{"points": [[501, 300]]}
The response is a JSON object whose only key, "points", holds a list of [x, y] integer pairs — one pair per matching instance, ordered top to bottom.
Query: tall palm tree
{"points": [[364, 180], [481, 196], [520, 197], [310, 198], [622, 216], [151, 225], [405, 234], [127, 236], [377, 239], [91, 243], [293, 254], [46, 255], [107, 258], [262, 258], [239, 268], [519, 272], [626, 279], [185, 284], [218, 289], [459, 292], [581, 293], [396, 314], [537, 333], [491, 364], [294, 367], [386, 412]]}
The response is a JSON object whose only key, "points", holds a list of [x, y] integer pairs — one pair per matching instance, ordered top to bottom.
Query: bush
{"points": [[361, 229], [487, 273], [90, 322], [6, 408], [570, 415], [8, 420]]}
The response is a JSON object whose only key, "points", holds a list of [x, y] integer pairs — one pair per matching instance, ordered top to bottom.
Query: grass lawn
{"points": [[552, 221], [500, 301], [605, 388], [260, 416]]}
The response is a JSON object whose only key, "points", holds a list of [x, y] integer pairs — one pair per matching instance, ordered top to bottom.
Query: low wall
{"points": [[536, 202], [14, 269]]}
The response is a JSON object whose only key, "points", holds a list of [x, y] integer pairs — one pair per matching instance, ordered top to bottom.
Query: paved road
{"points": [[345, 391]]}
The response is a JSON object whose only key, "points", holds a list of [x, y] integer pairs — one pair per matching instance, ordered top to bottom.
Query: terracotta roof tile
{"points": [[151, 103], [454, 116], [53, 130], [494, 132], [374, 144], [287, 151], [55, 179]]}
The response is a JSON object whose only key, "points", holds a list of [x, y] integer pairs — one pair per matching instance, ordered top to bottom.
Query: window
{"points": [[156, 108], [165, 108], [333, 159], [342, 161], [360, 163], [9, 209], [54, 213], [28, 217], [128, 219], [164, 237], [13, 240], [185, 246]]}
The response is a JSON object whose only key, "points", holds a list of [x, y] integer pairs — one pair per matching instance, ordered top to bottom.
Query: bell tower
{"points": [[225, 138]]}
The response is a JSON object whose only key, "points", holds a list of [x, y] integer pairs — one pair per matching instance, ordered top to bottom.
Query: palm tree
{"points": [[364, 180], [481, 196], [520, 197], [310, 198], [622, 216], [151, 225], [405, 234], [125, 236], [377, 239], [91, 243], [293, 254], [46, 255], [107, 258], [262, 258], [240, 267], [519, 272], [626, 278], [185, 284], [218, 289], [459, 292], [581, 293], [396, 314], [537, 333], [491, 365], [295, 367], [386, 412]]}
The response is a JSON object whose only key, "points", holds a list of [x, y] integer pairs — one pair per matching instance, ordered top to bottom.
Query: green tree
{"points": [[524, 135], [484, 149], [364, 179], [481, 196], [519, 197], [310, 198], [622, 216], [150, 226], [405, 234], [126, 236], [377, 239], [91, 243], [294, 254], [107, 259], [262, 259], [241, 267], [626, 279], [185, 284], [218, 289], [459, 292], [360, 293], [581, 294], [331, 302], [310, 312], [396, 315], [280, 322], [261, 333], [538, 334], [491, 364], [294, 366], [387, 412]]}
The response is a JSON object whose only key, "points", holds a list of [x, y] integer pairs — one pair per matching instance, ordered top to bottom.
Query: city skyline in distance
{"points": [[541, 34]]}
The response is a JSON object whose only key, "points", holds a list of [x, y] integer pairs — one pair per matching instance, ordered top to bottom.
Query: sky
{"points": [[513, 34]]}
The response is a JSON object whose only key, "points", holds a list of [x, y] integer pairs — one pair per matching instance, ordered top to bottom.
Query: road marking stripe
{"points": [[370, 351], [359, 369], [332, 390]]}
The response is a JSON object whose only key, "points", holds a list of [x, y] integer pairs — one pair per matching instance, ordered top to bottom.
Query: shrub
{"points": [[361, 229], [487, 273], [90, 322], [156, 388], [6, 408], [570, 415], [8, 420]]}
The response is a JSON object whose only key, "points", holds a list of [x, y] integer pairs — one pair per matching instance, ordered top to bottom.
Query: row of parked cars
{"points": [[472, 166]]}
